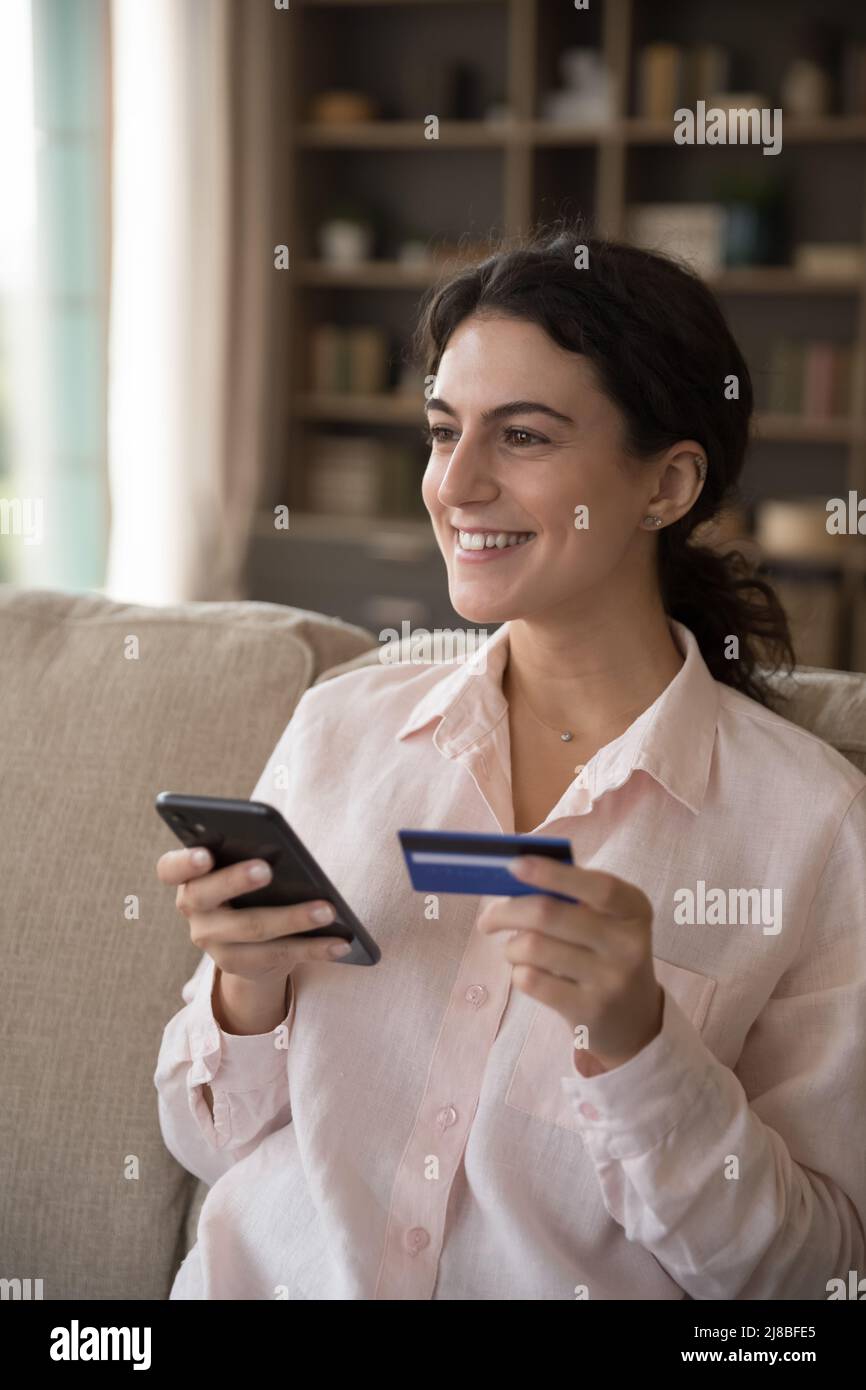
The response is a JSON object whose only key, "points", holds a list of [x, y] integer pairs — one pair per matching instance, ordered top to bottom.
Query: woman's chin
{"points": [[480, 610]]}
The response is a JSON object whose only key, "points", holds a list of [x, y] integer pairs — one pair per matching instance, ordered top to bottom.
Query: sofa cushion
{"points": [[91, 1202]]}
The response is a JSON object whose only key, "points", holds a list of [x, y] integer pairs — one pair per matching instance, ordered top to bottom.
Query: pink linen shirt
{"points": [[418, 1129]]}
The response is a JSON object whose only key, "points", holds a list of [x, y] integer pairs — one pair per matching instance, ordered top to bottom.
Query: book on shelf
{"points": [[707, 70], [671, 75], [660, 80], [694, 232], [829, 259], [329, 358], [349, 360], [368, 360], [818, 376], [810, 378], [785, 385], [345, 475], [356, 475], [795, 530], [804, 561]]}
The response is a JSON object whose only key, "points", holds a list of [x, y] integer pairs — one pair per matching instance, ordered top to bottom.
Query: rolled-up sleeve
{"points": [[247, 1075], [751, 1183]]}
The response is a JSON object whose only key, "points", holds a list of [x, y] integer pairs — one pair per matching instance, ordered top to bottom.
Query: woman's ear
{"points": [[679, 477]]}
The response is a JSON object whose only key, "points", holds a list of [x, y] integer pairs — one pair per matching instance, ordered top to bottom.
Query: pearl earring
{"points": [[701, 467], [652, 520]]}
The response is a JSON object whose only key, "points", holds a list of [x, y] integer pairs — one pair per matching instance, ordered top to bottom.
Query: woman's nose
{"points": [[468, 476]]}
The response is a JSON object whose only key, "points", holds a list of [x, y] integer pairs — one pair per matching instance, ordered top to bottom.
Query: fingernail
{"points": [[200, 857], [521, 865], [260, 873], [323, 914], [341, 948]]}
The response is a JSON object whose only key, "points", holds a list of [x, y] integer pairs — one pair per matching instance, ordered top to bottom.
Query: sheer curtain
{"points": [[54, 236], [189, 323]]}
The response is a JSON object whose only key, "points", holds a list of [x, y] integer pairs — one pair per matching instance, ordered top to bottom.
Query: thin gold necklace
{"points": [[565, 735]]}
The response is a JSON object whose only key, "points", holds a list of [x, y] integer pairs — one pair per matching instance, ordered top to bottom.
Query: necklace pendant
{"points": [[566, 736]]}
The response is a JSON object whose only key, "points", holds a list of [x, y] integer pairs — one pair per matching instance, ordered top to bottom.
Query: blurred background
{"points": [[219, 217]]}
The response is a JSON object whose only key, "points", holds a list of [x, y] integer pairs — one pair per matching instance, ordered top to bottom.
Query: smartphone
{"points": [[237, 830]]}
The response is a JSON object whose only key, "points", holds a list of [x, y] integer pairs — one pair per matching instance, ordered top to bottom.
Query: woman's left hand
{"points": [[590, 961]]}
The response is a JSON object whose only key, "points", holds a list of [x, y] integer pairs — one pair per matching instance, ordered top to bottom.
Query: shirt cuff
{"points": [[231, 1061], [627, 1111]]}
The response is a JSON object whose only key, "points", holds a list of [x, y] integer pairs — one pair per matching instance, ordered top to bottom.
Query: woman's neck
{"points": [[594, 679]]}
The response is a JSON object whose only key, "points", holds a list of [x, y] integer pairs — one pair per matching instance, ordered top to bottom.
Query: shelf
{"points": [[362, 4], [635, 130], [640, 130], [547, 133], [402, 135], [381, 275], [394, 275], [782, 280], [393, 409], [805, 429], [321, 525], [849, 561]]}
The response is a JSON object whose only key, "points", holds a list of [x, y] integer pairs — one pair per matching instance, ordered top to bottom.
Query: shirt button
{"points": [[476, 995], [589, 1111], [447, 1116], [416, 1239]]}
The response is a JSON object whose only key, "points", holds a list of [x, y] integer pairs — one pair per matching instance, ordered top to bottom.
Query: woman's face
{"points": [[523, 437]]}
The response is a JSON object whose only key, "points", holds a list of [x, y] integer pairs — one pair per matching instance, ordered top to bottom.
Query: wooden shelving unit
{"points": [[509, 173]]}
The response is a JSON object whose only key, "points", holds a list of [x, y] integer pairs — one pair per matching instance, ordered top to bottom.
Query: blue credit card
{"points": [[448, 861]]}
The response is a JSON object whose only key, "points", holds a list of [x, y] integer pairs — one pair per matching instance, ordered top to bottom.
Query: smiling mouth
{"points": [[476, 541]]}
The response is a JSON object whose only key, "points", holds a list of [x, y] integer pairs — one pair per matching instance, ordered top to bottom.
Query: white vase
{"points": [[344, 242]]}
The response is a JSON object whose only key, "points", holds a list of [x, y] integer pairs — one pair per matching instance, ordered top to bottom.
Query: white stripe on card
{"points": [[485, 861]]}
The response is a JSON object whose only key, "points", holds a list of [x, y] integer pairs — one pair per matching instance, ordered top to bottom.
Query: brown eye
{"points": [[431, 435], [528, 437]]}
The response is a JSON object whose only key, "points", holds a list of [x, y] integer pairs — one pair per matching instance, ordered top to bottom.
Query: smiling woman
{"points": [[633, 419], [581, 427], [582, 1072]]}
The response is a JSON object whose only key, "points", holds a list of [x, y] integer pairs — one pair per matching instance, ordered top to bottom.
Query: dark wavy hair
{"points": [[661, 349]]}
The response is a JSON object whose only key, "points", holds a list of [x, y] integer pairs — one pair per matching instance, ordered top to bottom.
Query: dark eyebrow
{"points": [[508, 408]]}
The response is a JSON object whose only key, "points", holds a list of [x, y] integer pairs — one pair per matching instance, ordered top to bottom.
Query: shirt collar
{"points": [[672, 740]]}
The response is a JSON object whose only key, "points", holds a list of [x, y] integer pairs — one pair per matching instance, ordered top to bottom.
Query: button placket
{"points": [[417, 1215]]}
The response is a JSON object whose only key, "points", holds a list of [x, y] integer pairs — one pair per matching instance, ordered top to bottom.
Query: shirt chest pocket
{"points": [[546, 1055]]}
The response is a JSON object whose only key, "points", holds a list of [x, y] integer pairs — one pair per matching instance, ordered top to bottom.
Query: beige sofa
{"points": [[104, 705]]}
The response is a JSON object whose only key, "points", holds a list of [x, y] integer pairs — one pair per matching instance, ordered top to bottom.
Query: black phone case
{"points": [[237, 830]]}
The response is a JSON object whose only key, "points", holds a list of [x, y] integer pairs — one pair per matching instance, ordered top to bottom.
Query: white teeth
{"points": [[481, 540]]}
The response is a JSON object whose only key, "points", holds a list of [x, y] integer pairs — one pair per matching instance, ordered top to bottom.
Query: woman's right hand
{"points": [[253, 945]]}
